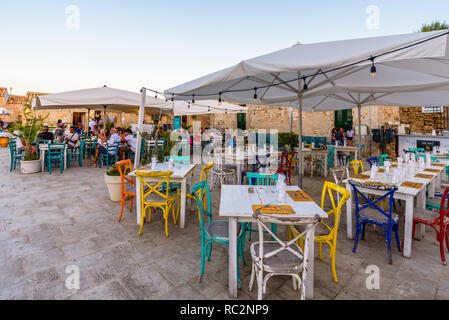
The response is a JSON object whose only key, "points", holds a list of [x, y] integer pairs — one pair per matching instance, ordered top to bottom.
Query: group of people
{"points": [[339, 135], [125, 138]]}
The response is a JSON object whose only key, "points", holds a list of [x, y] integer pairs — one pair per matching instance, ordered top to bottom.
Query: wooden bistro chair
{"points": [[286, 165], [357, 166], [205, 172], [127, 184], [151, 197], [325, 234], [279, 257]]}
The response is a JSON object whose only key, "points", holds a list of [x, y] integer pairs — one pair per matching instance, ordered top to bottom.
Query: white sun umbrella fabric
{"points": [[115, 100], [202, 107], [5, 112]]}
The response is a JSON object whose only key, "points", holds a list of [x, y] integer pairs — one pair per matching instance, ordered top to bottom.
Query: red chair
{"points": [[286, 164], [124, 167], [437, 221]]}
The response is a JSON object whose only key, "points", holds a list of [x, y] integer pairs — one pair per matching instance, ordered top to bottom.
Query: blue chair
{"points": [[76, 154], [16, 155], [55, 156], [110, 158], [373, 161], [257, 166], [370, 213], [214, 232]]}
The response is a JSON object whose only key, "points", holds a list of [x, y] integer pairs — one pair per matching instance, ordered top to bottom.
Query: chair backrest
{"points": [[56, 149], [113, 149], [416, 150], [420, 155], [180, 159], [382, 159], [287, 160], [373, 161], [357, 166], [124, 167], [205, 171], [340, 174], [262, 179], [154, 188], [343, 195], [203, 202], [372, 203], [444, 211]]}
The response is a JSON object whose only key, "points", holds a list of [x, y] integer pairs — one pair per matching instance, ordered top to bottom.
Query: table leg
{"points": [[42, 153], [65, 158], [336, 164], [325, 165], [239, 172], [432, 188], [138, 200], [421, 203], [349, 213], [182, 219], [408, 228], [233, 257], [310, 264]]}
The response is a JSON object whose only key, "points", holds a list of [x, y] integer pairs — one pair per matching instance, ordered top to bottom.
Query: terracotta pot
{"points": [[4, 142]]}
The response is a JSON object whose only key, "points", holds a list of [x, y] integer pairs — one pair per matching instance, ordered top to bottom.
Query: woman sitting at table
{"points": [[103, 138]]}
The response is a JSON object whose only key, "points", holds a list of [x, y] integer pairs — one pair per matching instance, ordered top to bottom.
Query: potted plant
{"points": [[28, 132], [114, 183]]}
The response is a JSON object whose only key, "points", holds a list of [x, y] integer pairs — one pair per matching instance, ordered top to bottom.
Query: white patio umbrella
{"points": [[318, 75], [107, 99], [184, 108], [5, 112]]}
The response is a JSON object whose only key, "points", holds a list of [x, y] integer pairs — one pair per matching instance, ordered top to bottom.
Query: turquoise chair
{"points": [[38, 143], [89, 148], [416, 150], [76, 154], [132, 154], [16, 155], [111, 155], [55, 156], [330, 157], [180, 159], [382, 159], [260, 179], [214, 232]]}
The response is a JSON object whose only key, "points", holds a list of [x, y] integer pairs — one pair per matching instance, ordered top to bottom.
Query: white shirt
{"points": [[92, 125], [350, 133], [73, 136], [112, 140], [131, 142]]}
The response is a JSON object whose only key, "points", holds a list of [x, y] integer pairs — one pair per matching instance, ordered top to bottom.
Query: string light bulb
{"points": [[373, 68], [304, 87], [255, 94], [155, 95], [172, 97], [193, 98], [219, 99], [188, 105], [208, 110]]}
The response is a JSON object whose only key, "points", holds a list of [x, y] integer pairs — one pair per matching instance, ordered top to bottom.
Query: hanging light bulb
{"points": [[373, 68], [305, 87], [255, 94], [155, 95], [172, 97], [193, 98], [219, 99], [188, 105], [208, 110], [226, 111]]}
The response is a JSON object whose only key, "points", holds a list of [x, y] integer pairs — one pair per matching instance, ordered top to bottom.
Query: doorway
{"points": [[78, 118], [343, 119], [241, 121]]}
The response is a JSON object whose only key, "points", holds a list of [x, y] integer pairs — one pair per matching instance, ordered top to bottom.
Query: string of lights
{"points": [[303, 78]]}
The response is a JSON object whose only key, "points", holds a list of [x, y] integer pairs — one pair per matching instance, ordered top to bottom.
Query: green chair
{"points": [[38, 143], [90, 146], [416, 150], [76, 154], [16, 155], [111, 155], [55, 156], [330, 157], [180, 159], [382, 159], [260, 179], [214, 232]]}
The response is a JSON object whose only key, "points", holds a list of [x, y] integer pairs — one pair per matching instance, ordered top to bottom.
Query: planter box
{"points": [[28, 167]]}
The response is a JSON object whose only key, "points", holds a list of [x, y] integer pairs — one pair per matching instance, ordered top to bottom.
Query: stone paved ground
{"points": [[50, 222]]}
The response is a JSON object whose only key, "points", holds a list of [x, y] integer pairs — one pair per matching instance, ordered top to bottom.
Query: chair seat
{"points": [[155, 198], [436, 200], [374, 214], [424, 214], [219, 229], [320, 229], [283, 259]]}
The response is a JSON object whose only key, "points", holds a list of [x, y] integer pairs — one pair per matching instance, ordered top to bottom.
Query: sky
{"points": [[53, 46]]}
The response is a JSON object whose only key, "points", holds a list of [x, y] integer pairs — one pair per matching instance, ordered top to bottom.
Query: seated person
{"points": [[80, 129], [59, 132], [45, 135], [72, 139], [104, 142], [129, 142]]}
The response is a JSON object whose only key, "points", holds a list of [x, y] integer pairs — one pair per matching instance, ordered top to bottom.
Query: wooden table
{"points": [[43, 148], [344, 149], [314, 152], [180, 175], [403, 193], [236, 205]]}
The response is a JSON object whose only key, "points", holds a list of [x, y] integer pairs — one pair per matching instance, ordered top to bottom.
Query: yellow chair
{"points": [[357, 166], [205, 171], [152, 198], [323, 232]]}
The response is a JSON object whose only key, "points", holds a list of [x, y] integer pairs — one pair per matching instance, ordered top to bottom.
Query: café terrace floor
{"points": [[50, 222]]}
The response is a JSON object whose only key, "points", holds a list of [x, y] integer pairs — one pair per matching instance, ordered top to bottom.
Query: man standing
{"points": [[92, 125]]}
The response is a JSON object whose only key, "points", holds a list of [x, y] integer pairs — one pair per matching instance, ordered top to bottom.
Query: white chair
{"points": [[222, 173], [279, 257]]}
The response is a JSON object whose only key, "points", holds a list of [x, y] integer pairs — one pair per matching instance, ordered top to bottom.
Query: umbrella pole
{"points": [[359, 109], [104, 117], [139, 128], [300, 158]]}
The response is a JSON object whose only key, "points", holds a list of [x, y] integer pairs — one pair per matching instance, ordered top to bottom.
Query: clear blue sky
{"points": [[160, 44]]}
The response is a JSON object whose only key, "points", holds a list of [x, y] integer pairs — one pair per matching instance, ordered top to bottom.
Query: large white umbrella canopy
{"points": [[332, 75], [115, 100], [184, 108]]}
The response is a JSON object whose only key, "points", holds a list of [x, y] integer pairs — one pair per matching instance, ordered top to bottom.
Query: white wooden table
{"points": [[43, 148], [344, 149], [322, 153], [180, 175], [403, 193], [236, 205]]}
